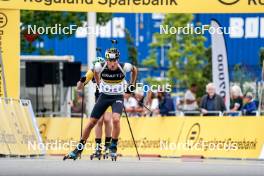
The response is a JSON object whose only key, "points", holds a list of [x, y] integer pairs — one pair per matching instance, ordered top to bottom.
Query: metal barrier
{"points": [[173, 113], [232, 113]]}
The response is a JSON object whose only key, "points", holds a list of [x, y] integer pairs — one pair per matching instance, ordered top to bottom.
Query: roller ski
{"points": [[113, 152], [106, 153], [75, 154], [97, 154], [72, 155]]}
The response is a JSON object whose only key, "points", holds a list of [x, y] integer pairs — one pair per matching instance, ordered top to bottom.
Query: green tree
{"points": [[47, 19], [132, 50], [186, 53], [261, 56], [151, 60], [207, 75], [241, 75]]}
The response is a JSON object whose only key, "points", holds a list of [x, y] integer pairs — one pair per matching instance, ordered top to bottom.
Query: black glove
{"points": [[83, 79], [130, 89]]}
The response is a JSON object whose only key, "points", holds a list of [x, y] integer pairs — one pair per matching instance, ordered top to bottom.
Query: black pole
{"points": [[99, 52], [52, 94], [37, 101], [144, 106], [82, 112], [131, 132]]}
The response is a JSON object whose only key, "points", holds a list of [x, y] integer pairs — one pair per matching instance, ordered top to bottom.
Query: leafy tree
{"points": [[47, 19], [132, 50], [186, 53], [261, 56], [151, 60], [207, 75], [242, 75]]}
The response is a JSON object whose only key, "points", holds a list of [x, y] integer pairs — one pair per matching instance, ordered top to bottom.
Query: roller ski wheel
{"points": [[113, 152], [97, 154], [106, 154], [72, 155], [113, 156]]}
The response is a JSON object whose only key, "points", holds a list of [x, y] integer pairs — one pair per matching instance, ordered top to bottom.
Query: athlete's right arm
{"points": [[89, 76], [85, 79]]}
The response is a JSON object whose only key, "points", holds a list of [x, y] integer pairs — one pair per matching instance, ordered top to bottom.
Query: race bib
{"points": [[111, 88]]}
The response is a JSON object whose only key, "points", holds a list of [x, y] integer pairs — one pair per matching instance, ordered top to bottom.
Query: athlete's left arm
{"points": [[134, 73]]}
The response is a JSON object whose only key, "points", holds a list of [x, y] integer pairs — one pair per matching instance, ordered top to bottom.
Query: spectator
{"points": [[139, 95], [212, 101], [190, 102], [236, 102], [152, 103], [130, 104], [180, 104], [76, 105], [166, 106], [249, 107]]}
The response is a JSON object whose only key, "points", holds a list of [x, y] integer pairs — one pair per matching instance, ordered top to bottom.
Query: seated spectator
{"points": [[211, 101], [236, 101], [190, 103], [130, 104], [166, 105], [249, 107]]}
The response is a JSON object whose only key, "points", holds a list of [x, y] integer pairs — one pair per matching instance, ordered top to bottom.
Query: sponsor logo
{"points": [[229, 2], [249, 2], [3, 20], [3, 23], [246, 28], [119, 101], [193, 135]]}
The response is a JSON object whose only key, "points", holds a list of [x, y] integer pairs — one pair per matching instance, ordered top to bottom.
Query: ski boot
{"points": [[113, 152], [76, 153], [97, 153]]}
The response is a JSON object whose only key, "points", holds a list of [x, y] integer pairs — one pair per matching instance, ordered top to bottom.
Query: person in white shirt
{"points": [[190, 102], [152, 103], [130, 104]]}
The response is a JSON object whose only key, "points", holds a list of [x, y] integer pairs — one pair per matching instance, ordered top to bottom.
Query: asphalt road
{"points": [[130, 166]]}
